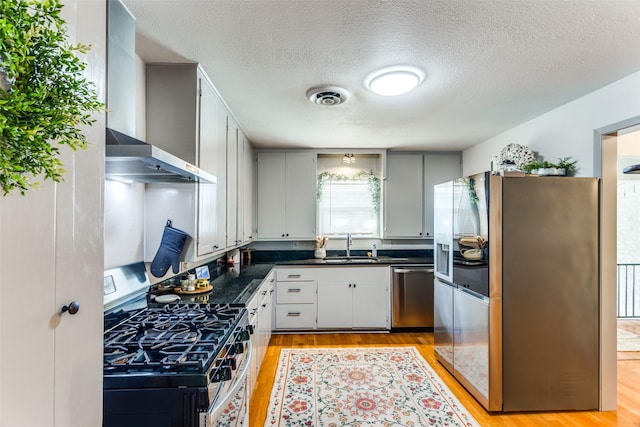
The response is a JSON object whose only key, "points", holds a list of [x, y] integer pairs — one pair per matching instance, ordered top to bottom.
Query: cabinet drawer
{"points": [[295, 274], [295, 292], [295, 316]]}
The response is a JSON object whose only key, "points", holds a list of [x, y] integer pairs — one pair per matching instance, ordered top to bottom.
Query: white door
{"points": [[438, 168], [232, 183], [404, 194], [300, 195], [271, 198], [52, 253], [335, 304], [370, 305]]}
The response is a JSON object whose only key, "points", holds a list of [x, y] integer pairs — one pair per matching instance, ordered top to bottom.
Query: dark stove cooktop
{"points": [[167, 345]]}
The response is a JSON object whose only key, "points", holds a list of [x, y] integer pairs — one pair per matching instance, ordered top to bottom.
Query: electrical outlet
{"points": [[294, 245]]}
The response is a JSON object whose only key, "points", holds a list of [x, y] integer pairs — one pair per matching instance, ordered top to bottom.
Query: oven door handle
{"points": [[214, 411]]}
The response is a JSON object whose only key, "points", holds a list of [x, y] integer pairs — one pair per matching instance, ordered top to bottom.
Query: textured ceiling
{"points": [[490, 65]]}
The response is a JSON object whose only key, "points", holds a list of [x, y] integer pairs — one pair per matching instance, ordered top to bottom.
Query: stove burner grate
{"points": [[170, 338]]}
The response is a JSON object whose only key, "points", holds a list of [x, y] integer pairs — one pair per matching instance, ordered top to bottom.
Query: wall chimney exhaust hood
{"points": [[129, 159]]}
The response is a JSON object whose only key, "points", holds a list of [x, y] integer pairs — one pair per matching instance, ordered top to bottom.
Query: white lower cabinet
{"points": [[353, 297], [315, 298], [295, 306], [259, 308], [265, 310]]}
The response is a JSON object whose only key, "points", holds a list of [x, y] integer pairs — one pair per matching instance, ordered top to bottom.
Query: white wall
{"points": [[565, 131], [123, 223]]}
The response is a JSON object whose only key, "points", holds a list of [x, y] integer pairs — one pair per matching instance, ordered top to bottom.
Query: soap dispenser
{"points": [[374, 251]]}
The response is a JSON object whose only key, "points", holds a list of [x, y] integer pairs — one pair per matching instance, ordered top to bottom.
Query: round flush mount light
{"points": [[394, 81]]}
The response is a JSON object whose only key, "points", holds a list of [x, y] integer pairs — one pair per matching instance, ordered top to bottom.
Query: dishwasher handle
{"points": [[412, 270]]}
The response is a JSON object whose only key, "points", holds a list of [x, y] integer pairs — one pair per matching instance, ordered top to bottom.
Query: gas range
{"points": [[173, 345], [176, 364]]}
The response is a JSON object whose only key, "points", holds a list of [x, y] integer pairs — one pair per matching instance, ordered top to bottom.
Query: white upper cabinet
{"points": [[173, 110], [186, 117], [212, 158], [247, 165], [438, 168], [240, 175], [232, 183], [409, 191], [404, 196], [286, 205]]}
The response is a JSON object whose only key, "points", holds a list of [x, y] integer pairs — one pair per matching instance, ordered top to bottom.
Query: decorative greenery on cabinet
{"points": [[44, 98], [374, 184]]}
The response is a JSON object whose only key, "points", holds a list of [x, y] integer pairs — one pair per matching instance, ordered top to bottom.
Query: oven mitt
{"points": [[169, 252]]}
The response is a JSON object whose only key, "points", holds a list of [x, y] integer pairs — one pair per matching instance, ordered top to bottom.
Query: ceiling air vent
{"points": [[327, 95]]}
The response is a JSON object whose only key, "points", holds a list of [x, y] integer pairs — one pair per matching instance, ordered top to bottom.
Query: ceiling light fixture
{"points": [[393, 81], [349, 158]]}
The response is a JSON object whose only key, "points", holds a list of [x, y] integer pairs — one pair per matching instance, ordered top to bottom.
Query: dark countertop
{"points": [[382, 260], [229, 285], [233, 287]]}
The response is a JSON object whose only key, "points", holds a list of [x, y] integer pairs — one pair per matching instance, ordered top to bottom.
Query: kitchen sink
{"points": [[350, 259]]}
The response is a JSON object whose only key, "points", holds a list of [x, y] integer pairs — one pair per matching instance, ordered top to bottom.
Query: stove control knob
{"points": [[250, 329], [243, 336], [239, 348], [231, 362], [223, 374]]}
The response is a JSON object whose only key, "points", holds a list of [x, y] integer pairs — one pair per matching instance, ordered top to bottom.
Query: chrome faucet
{"points": [[349, 243]]}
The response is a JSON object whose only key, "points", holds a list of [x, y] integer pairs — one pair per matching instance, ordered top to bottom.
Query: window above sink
{"points": [[349, 194]]}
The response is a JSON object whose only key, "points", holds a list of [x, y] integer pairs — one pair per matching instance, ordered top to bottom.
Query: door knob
{"points": [[72, 308]]}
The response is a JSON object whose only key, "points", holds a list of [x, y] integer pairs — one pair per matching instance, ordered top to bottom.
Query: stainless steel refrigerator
{"points": [[516, 290]]}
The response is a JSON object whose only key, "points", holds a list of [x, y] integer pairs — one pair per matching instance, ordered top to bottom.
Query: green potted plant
{"points": [[44, 97], [563, 167]]}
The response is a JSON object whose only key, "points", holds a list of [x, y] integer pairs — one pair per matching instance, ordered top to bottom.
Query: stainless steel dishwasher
{"points": [[412, 297]]}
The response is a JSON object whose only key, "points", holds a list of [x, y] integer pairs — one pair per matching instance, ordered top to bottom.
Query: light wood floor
{"points": [[627, 415]]}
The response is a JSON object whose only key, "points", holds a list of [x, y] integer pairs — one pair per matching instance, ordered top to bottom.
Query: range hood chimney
{"points": [[129, 159]]}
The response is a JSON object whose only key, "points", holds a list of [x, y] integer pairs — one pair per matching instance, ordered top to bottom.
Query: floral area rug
{"points": [[628, 341], [361, 386]]}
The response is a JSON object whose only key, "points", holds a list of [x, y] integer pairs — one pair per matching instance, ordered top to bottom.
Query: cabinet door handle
{"points": [[293, 276], [349, 284], [293, 290], [263, 293], [264, 305], [72, 308], [293, 314]]}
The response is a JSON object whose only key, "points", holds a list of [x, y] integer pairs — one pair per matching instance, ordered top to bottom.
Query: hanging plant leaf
{"points": [[45, 99], [374, 184]]}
